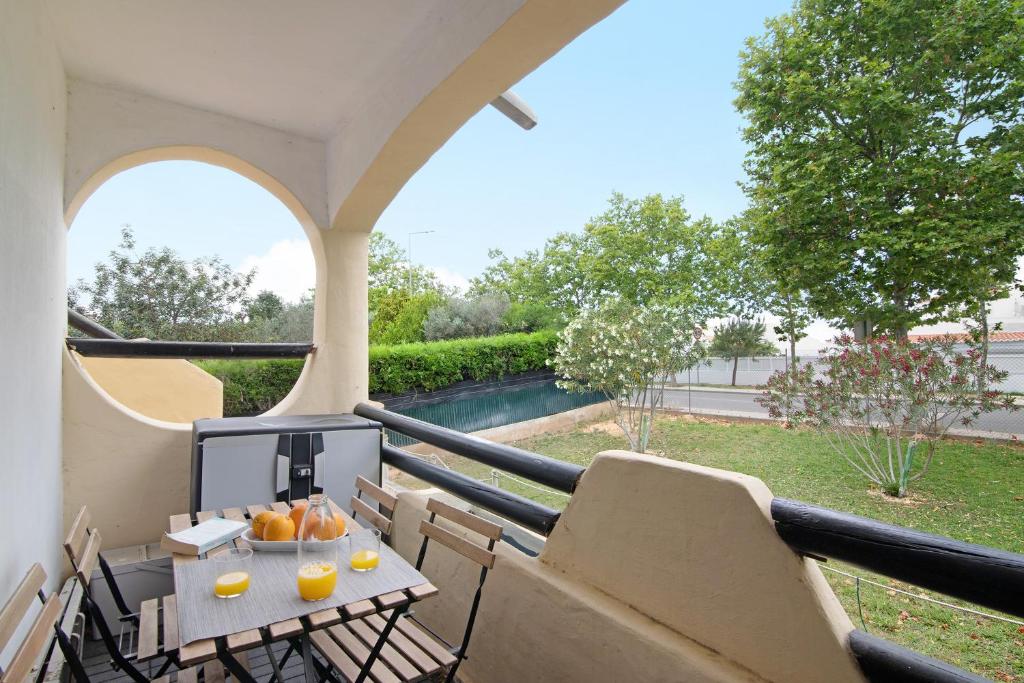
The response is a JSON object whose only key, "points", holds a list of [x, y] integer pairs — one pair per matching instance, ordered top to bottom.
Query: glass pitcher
{"points": [[318, 550]]}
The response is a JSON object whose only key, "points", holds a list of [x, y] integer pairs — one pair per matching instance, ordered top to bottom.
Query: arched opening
{"points": [[189, 244]]}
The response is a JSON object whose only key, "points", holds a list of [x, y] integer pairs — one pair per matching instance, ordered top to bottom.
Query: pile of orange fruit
{"points": [[275, 526]]}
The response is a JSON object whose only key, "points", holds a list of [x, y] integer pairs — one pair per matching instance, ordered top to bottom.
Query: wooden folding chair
{"points": [[385, 501], [150, 634], [37, 639], [413, 652]]}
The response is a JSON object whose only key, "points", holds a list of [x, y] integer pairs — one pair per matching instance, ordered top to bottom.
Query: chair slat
{"points": [[387, 500], [281, 507], [254, 510], [370, 515], [466, 519], [75, 540], [467, 549], [87, 563], [422, 591], [391, 600], [17, 606], [358, 609], [324, 618], [170, 623], [149, 626], [285, 629], [244, 640], [424, 640], [35, 641], [197, 652], [359, 652], [333, 653], [415, 654], [392, 657], [213, 671], [189, 675]]}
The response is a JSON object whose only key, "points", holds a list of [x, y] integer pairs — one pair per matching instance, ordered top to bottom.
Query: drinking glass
{"points": [[364, 549], [318, 550], [232, 567]]}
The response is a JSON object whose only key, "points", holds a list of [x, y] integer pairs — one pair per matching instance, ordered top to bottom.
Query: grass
{"points": [[973, 492]]}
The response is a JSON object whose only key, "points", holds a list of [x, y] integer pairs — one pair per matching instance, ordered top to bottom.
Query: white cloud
{"points": [[287, 269], [451, 279]]}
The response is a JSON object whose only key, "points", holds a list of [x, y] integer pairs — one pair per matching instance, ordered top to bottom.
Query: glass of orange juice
{"points": [[365, 550], [318, 551], [232, 568]]}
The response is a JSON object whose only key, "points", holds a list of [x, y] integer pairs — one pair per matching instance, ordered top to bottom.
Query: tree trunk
{"points": [[983, 324], [792, 353], [735, 364]]}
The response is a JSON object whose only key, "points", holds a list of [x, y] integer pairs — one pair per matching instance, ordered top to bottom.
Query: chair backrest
{"points": [[385, 502], [82, 546], [463, 546], [483, 556], [38, 636]]}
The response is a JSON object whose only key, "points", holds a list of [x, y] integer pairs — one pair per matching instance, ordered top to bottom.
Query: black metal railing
{"points": [[106, 343], [135, 348], [557, 474], [976, 573], [979, 574]]}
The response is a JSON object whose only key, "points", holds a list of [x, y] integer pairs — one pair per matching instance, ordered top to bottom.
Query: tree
{"points": [[885, 145], [642, 251], [159, 295], [264, 306], [480, 316], [400, 317], [293, 324], [737, 338], [627, 352], [883, 404]]}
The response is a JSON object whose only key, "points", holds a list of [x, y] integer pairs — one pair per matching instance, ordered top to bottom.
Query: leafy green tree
{"points": [[885, 148], [640, 250], [159, 295], [264, 306], [399, 317], [293, 324], [738, 338], [627, 352]]}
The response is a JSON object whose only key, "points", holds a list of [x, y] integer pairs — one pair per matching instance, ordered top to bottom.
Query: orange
{"points": [[296, 515], [259, 522], [339, 524], [279, 528], [324, 531]]}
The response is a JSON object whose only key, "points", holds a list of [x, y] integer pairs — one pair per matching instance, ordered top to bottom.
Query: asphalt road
{"points": [[735, 402]]}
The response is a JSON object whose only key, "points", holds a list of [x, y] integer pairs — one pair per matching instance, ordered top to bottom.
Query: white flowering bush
{"points": [[627, 352]]}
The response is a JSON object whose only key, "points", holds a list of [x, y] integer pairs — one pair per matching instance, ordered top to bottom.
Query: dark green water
{"points": [[488, 408]]}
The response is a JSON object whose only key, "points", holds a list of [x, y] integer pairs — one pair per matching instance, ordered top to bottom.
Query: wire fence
{"points": [[756, 371]]}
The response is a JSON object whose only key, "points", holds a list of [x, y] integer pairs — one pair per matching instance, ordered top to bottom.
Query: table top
{"points": [[356, 595]]}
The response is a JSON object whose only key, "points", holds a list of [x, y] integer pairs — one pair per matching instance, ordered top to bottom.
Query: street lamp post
{"points": [[409, 253]]}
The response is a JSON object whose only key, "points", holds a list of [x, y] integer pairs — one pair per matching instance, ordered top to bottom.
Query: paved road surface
{"points": [[726, 401]]}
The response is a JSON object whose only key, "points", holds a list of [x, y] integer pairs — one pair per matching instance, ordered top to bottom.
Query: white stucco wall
{"points": [[32, 297]]}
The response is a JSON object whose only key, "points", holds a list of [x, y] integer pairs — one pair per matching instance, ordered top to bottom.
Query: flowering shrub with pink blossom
{"points": [[628, 353], [882, 404]]}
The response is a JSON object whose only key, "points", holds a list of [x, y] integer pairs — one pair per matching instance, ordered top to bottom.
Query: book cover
{"points": [[203, 536]]}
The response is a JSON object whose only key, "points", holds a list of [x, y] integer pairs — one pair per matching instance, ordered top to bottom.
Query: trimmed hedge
{"points": [[429, 366], [255, 386]]}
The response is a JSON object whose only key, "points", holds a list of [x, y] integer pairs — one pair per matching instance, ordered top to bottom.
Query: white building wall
{"points": [[32, 292]]}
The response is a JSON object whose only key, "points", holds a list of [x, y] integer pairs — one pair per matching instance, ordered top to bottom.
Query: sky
{"points": [[640, 103]]}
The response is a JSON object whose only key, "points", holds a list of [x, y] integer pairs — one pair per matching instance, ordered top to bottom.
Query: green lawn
{"points": [[973, 492]]}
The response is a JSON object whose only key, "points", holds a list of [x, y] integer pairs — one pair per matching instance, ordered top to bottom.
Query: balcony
{"points": [[656, 570]]}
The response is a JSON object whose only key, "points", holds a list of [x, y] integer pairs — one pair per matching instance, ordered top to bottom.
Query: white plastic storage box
{"points": [[239, 461]]}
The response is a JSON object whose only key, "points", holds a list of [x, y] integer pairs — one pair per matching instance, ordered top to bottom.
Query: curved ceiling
{"points": [[301, 67]]}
